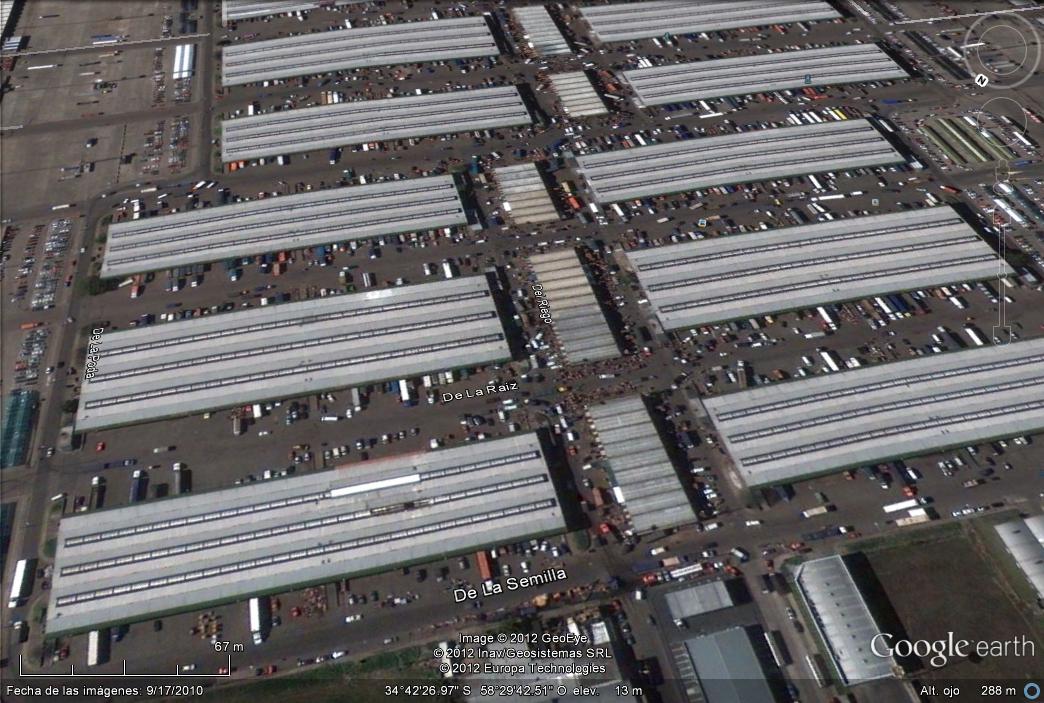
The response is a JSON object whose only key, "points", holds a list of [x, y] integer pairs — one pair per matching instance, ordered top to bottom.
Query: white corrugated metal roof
{"points": [[248, 9], [638, 20], [540, 29], [344, 49], [715, 78], [577, 95], [363, 121], [745, 157], [523, 191], [282, 223], [747, 275], [577, 318], [289, 350], [784, 431], [639, 466], [1024, 539], [129, 563], [843, 618]]}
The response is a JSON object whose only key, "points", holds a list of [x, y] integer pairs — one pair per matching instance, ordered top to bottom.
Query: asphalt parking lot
{"points": [[669, 368]]}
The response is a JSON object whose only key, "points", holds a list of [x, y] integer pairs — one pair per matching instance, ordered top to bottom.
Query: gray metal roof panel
{"points": [[638, 20], [344, 49], [714, 78], [363, 121], [734, 158], [282, 223], [737, 277], [289, 350], [783, 431], [670, 507], [129, 562], [842, 617]]}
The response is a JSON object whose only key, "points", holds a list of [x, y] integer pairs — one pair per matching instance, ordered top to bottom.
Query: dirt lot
{"points": [[948, 580]]}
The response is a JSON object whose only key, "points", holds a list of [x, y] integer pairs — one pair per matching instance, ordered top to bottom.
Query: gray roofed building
{"points": [[232, 10], [640, 20], [541, 31], [343, 49], [715, 78], [577, 95], [363, 121], [745, 157], [524, 193], [278, 224], [736, 277], [574, 311], [290, 350], [780, 432], [643, 477], [1024, 540], [139, 561], [698, 599], [843, 619], [728, 667]]}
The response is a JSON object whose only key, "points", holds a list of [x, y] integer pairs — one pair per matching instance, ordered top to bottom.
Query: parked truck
{"points": [[137, 486], [904, 505], [818, 510], [485, 567], [20, 582], [258, 610], [98, 642]]}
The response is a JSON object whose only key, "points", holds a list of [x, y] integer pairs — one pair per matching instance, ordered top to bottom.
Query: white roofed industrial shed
{"points": [[233, 10], [641, 20], [541, 31], [343, 49], [715, 78], [363, 121], [745, 157], [282, 223], [735, 277], [579, 323], [289, 350], [785, 431], [644, 478], [1024, 540], [134, 562]]}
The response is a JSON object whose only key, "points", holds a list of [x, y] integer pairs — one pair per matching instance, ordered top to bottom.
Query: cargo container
{"points": [[485, 566]]}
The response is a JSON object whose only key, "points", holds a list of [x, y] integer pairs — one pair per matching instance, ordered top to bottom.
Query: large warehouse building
{"points": [[234, 10], [641, 20], [541, 31], [339, 50], [716, 78], [363, 121], [746, 157], [279, 224], [726, 278], [572, 307], [290, 350], [786, 431], [644, 479], [1024, 540], [139, 561], [842, 618], [731, 665]]}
